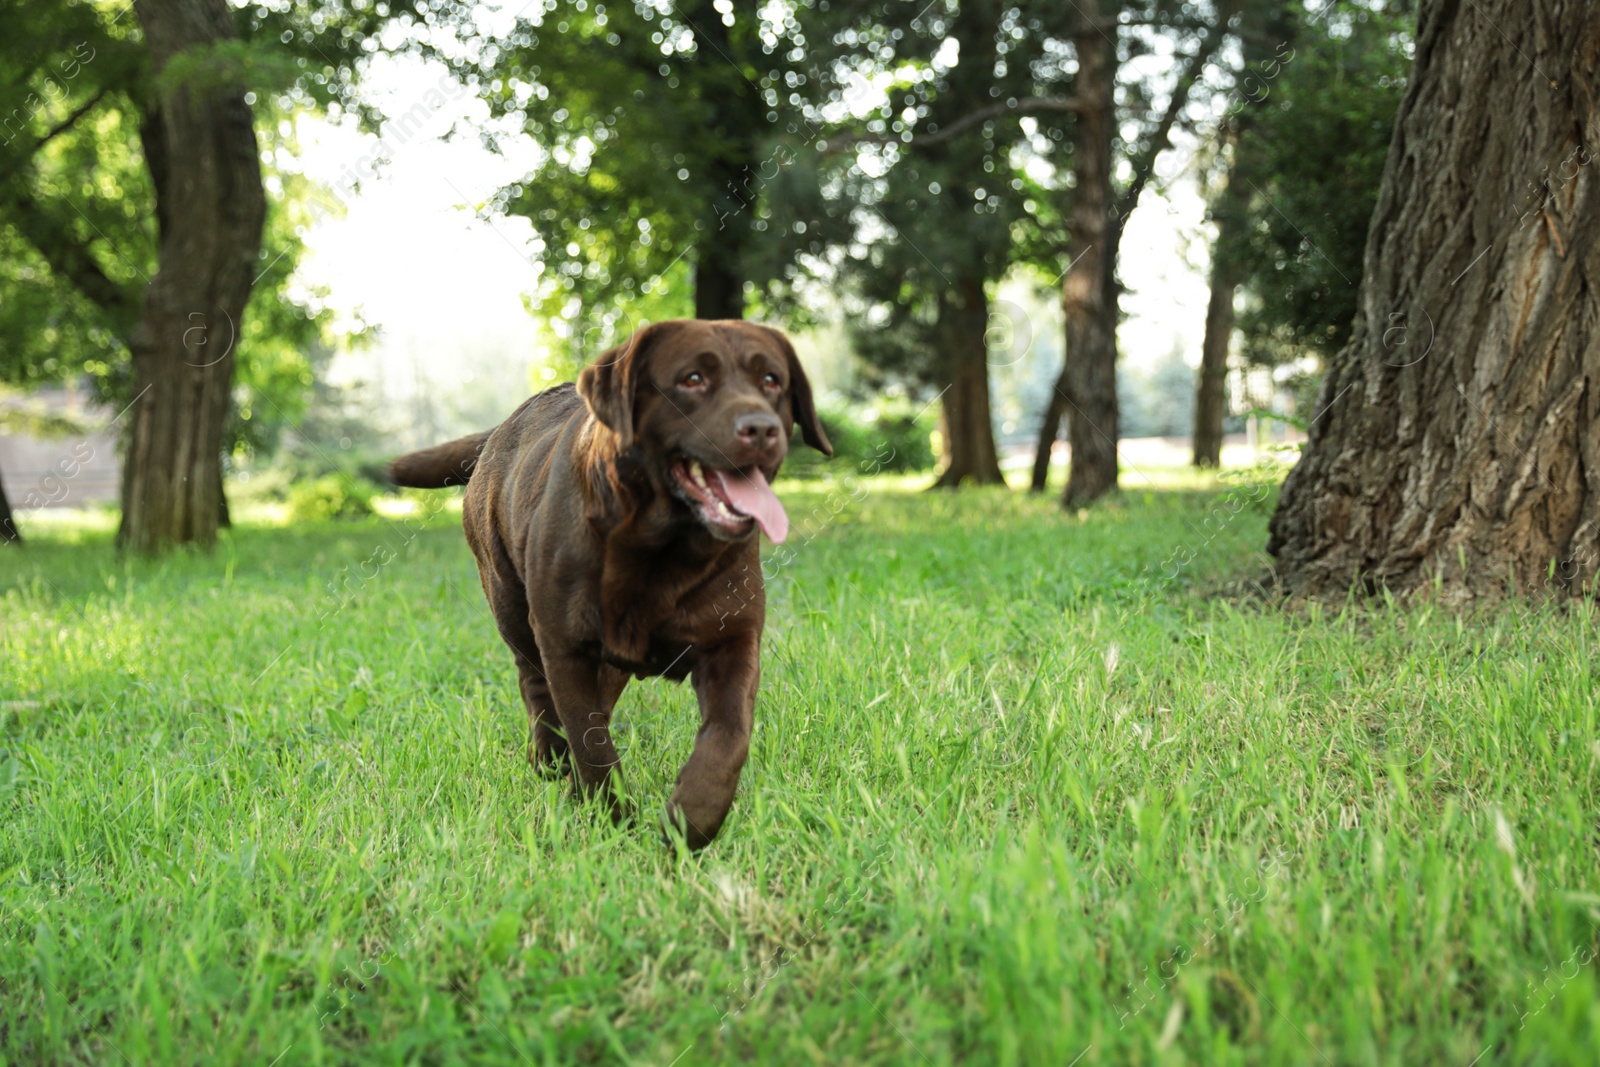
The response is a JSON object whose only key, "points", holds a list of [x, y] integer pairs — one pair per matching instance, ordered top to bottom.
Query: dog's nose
{"points": [[759, 429]]}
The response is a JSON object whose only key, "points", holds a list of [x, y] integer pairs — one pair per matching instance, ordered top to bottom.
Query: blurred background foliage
{"points": [[1318, 144], [814, 163]]}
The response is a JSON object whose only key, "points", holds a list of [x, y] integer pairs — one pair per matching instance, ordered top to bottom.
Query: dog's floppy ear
{"points": [[610, 384], [804, 407]]}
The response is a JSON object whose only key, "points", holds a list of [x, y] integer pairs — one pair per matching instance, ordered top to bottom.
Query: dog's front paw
{"points": [[678, 825]]}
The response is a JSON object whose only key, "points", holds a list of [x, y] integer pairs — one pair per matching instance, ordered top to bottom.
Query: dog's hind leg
{"points": [[547, 746]]}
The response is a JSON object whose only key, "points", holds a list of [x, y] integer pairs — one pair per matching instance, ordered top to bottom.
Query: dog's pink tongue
{"points": [[750, 495]]}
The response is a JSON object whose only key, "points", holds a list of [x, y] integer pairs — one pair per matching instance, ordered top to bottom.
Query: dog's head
{"points": [[705, 410]]}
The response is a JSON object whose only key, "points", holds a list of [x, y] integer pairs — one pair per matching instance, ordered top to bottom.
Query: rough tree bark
{"points": [[200, 144], [1088, 383], [1211, 384], [1457, 440], [970, 456]]}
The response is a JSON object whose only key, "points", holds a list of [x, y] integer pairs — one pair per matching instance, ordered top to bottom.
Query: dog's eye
{"points": [[693, 380], [771, 381]]}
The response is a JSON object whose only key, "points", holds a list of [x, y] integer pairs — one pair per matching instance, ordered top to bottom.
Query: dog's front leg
{"points": [[725, 680], [584, 693]]}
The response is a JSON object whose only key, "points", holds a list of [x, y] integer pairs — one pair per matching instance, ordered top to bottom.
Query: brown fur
{"points": [[595, 567]]}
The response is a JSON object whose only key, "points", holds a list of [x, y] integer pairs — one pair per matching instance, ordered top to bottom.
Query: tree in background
{"points": [[1104, 37], [1266, 43], [659, 124], [690, 135], [1308, 135], [83, 138], [200, 146], [1228, 209], [921, 214], [68, 299], [1460, 446]]}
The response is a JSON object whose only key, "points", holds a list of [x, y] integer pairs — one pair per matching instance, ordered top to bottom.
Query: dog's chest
{"points": [[659, 637], [665, 657]]}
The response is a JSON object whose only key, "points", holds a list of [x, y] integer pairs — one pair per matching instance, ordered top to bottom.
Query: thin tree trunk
{"points": [[1265, 31], [201, 147], [718, 283], [1087, 293], [1211, 386], [1087, 390], [1210, 394], [1049, 430], [1457, 440], [970, 454], [224, 520], [8, 523]]}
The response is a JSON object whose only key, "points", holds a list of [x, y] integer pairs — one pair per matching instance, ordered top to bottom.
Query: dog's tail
{"points": [[441, 465]]}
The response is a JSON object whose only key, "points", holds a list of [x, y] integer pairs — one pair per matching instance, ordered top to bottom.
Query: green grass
{"points": [[1022, 789]]}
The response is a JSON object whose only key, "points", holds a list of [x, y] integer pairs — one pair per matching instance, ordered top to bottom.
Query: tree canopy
{"points": [[658, 126], [1317, 145], [79, 224]]}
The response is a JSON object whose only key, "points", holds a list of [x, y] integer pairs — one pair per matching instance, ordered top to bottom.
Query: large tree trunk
{"points": [[201, 147], [719, 271], [1088, 296], [1211, 386], [1458, 435], [970, 457], [8, 524]]}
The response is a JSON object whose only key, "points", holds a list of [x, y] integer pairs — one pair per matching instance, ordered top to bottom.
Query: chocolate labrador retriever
{"points": [[611, 520]]}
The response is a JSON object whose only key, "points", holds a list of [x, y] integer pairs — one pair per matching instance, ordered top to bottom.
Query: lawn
{"points": [[1026, 787]]}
